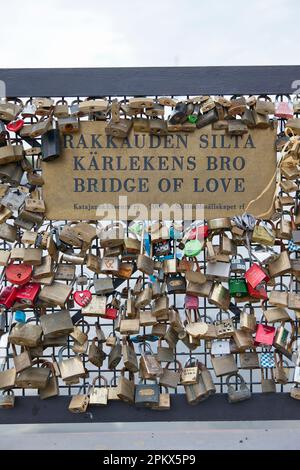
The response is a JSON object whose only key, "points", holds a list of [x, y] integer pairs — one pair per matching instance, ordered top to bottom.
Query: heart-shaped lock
{"points": [[15, 126], [18, 273], [83, 297]]}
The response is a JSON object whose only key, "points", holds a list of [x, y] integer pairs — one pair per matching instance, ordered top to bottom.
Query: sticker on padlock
{"points": [[220, 346]]}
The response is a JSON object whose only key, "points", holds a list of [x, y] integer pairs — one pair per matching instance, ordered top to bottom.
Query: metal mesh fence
{"points": [[182, 353]]}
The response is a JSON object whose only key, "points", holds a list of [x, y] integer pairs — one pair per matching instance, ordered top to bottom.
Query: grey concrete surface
{"points": [[150, 436]]}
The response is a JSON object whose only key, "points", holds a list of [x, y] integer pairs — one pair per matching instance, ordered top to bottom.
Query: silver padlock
{"points": [[29, 109], [13, 200], [238, 264], [241, 393]]}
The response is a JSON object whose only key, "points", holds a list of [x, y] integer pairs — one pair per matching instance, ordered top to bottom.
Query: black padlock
{"points": [[179, 113], [50, 145]]}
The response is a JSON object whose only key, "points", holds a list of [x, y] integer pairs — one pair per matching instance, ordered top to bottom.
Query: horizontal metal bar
{"points": [[150, 81], [277, 406]]}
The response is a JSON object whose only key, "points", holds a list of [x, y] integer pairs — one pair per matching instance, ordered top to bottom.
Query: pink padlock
{"points": [[284, 109], [191, 302]]}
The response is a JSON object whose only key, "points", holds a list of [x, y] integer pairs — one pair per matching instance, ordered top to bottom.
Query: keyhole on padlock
{"points": [[19, 275]]}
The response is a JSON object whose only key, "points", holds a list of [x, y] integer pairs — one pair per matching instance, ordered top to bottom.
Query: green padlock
{"points": [[192, 118], [192, 248], [237, 287]]}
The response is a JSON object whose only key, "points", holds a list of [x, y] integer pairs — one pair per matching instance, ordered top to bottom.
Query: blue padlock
{"points": [[20, 316]]}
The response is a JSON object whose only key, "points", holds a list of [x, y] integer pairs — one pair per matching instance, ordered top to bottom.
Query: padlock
{"points": [[237, 105], [29, 109], [284, 109], [179, 113], [68, 125], [50, 145], [11, 173], [13, 200], [262, 234], [145, 263], [238, 264], [109, 265], [281, 265], [18, 274], [255, 275], [176, 284], [238, 287], [28, 293], [56, 293], [8, 296], [219, 296], [82, 297], [144, 297], [279, 298], [160, 306], [248, 320], [57, 324], [128, 326], [224, 328], [26, 334], [265, 334], [243, 339], [283, 340], [220, 346], [115, 355], [129, 356], [22, 360], [249, 360], [224, 365], [149, 366], [70, 368], [190, 372], [281, 374], [33, 377], [268, 385], [126, 387], [52, 388], [146, 394], [240, 394], [99, 395], [7, 399], [79, 402]]}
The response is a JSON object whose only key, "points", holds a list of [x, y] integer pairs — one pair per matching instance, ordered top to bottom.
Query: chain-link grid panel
{"points": [[182, 353]]}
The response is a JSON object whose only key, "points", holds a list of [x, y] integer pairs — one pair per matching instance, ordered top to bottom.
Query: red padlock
{"points": [[15, 126], [199, 233], [18, 274], [255, 275], [28, 293], [258, 293], [8, 296], [82, 297], [191, 302], [111, 312], [265, 335]]}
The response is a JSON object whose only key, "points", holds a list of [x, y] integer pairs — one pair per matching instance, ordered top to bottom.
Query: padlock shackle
{"points": [[220, 314], [83, 323], [146, 347], [192, 361], [178, 363], [237, 376], [101, 377]]}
